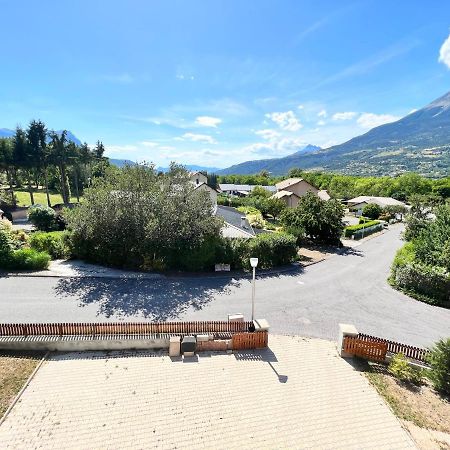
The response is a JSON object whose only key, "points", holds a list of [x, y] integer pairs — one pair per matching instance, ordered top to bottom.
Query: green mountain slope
{"points": [[419, 142]]}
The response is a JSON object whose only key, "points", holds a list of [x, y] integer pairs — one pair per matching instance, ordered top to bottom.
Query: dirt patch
{"points": [[312, 254], [15, 368], [423, 411]]}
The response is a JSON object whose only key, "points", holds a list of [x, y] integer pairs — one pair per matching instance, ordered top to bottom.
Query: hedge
{"points": [[353, 229], [272, 249], [424, 282]]}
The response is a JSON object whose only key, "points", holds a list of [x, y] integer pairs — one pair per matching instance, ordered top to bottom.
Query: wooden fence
{"points": [[121, 328], [258, 339], [375, 348], [375, 351], [414, 353]]}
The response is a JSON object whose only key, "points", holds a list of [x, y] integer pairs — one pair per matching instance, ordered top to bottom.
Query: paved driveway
{"points": [[349, 288], [298, 394]]}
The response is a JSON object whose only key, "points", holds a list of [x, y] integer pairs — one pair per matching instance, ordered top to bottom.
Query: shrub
{"points": [[372, 211], [42, 217], [256, 220], [320, 220], [353, 229], [55, 243], [7, 244], [272, 249], [29, 259], [427, 283], [439, 360], [400, 369]]}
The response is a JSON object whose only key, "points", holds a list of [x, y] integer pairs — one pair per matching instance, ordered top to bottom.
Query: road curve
{"points": [[348, 288]]}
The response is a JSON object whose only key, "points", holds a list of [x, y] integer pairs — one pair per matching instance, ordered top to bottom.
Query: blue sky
{"points": [[219, 82]]}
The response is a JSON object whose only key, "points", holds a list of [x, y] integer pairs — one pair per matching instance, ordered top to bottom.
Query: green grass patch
{"points": [[23, 198]]}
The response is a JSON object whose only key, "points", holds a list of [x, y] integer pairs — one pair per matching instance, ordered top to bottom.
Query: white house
{"points": [[198, 178], [356, 205]]}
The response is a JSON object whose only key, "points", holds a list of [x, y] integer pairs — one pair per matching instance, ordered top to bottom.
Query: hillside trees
{"points": [[49, 158]]}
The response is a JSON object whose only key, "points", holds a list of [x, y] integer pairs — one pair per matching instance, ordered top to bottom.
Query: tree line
{"points": [[36, 156], [402, 187]]}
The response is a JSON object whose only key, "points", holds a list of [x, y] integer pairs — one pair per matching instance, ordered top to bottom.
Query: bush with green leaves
{"points": [[372, 211], [42, 217], [135, 218], [315, 218], [55, 243], [271, 249], [14, 257], [28, 259], [422, 266], [430, 284], [439, 361], [400, 369]]}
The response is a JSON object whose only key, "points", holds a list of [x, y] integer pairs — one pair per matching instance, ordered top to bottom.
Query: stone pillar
{"points": [[345, 330], [174, 346]]}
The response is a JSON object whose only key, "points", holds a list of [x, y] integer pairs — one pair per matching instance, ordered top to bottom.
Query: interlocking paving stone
{"points": [[297, 394]]}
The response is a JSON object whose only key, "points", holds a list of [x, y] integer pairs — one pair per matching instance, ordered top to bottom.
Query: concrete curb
{"points": [[171, 275], [11, 406]]}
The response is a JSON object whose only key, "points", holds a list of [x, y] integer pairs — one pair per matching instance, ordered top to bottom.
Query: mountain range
{"points": [[6, 132], [418, 142]]}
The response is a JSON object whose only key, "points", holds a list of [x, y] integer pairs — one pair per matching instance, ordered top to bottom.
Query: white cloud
{"points": [[444, 53], [182, 76], [300, 106], [323, 113], [348, 115], [285, 120], [370, 120], [208, 121], [321, 123], [268, 134], [199, 138], [149, 144], [276, 147], [114, 149]]}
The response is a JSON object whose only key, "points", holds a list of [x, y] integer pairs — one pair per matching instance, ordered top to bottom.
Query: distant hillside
{"points": [[6, 132], [419, 142], [121, 162], [276, 166], [193, 168]]}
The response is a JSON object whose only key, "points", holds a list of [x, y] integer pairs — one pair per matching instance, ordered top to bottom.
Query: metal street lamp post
{"points": [[254, 264]]}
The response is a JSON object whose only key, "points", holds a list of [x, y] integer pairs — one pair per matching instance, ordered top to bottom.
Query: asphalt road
{"points": [[349, 288]]}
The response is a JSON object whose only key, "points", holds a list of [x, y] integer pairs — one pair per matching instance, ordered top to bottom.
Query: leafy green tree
{"points": [[37, 142], [61, 154], [24, 158], [7, 164], [259, 191], [275, 207], [372, 211], [134, 217], [417, 218], [321, 220], [432, 245], [439, 360]]}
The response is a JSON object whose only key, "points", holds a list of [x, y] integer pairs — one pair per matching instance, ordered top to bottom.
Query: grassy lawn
{"points": [[23, 198], [15, 368]]}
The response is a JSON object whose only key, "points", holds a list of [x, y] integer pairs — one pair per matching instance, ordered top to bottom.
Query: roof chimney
{"points": [[243, 222]]}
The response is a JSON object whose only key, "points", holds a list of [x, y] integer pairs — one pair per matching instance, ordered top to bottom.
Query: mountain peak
{"points": [[441, 102]]}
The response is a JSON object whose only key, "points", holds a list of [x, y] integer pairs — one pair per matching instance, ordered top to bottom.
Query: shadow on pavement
{"points": [[159, 300]]}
